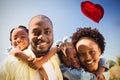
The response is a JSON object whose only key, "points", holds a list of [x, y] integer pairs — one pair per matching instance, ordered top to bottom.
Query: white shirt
{"points": [[15, 69]]}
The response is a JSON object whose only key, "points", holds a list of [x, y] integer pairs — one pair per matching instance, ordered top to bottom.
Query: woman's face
{"points": [[89, 54]]}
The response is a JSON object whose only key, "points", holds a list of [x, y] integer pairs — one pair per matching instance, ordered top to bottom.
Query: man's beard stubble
{"points": [[39, 52]]}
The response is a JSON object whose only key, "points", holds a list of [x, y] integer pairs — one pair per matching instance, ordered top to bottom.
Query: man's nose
{"points": [[41, 36]]}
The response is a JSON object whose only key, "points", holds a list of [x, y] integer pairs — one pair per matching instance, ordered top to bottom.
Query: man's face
{"points": [[40, 35], [19, 39], [89, 54]]}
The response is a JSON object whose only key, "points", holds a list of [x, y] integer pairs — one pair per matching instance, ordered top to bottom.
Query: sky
{"points": [[66, 16]]}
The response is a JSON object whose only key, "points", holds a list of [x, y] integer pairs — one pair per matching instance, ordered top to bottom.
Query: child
{"points": [[19, 38], [72, 70]]}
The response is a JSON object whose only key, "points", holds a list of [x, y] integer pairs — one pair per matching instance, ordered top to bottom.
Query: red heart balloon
{"points": [[92, 11]]}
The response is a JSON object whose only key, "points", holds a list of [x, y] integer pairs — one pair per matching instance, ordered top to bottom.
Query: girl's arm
{"points": [[19, 54], [38, 62], [35, 63]]}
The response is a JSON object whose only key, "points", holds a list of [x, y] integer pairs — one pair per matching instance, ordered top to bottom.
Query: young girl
{"points": [[19, 38]]}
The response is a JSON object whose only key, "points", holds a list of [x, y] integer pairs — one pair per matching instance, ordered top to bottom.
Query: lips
{"points": [[19, 44], [42, 44], [90, 62]]}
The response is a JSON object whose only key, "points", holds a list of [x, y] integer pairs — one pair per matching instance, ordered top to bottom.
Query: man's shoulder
{"points": [[29, 52], [55, 58]]}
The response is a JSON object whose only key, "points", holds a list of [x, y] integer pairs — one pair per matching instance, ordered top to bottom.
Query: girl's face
{"points": [[20, 39], [89, 54], [72, 55], [71, 58]]}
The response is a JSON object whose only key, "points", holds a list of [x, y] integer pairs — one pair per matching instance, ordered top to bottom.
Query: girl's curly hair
{"points": [[20, 26], [91, 33]]}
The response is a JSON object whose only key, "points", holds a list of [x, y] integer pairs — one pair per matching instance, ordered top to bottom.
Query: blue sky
{"points": [[66, 16]]}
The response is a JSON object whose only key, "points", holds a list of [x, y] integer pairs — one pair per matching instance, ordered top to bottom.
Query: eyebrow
{"points": [[47, 28], [35, 29]]}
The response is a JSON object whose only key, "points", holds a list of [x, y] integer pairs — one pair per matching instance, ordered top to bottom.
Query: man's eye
{"points": [[47, 32], [36, 33]]}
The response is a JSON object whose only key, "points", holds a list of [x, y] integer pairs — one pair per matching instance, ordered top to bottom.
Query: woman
{"points": [[89, 44]]}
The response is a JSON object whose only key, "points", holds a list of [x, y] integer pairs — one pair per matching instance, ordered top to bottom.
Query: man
{"points": [[41, 39]]}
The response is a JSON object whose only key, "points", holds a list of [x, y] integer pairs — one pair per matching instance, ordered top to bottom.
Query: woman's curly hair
{"points": [[91, 33]]}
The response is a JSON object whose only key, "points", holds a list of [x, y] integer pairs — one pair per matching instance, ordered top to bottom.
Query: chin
{"points": [[43, 51], [91, 70]]}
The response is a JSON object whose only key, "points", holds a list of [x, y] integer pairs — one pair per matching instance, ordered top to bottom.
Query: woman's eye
{"points": [[92, 52]]}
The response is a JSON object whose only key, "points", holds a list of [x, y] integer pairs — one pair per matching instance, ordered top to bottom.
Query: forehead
{"points": [[40, 22], [19, 31], [86, 42], [83, 48], [70, 52]]}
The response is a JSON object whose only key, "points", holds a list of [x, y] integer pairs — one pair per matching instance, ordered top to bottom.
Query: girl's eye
{"points": [[22, 36], [15, 38], [81, 54], [75, 56]]}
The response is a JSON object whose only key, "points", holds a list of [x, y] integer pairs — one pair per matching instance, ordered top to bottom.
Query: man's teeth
{"points": [[43, 43]]}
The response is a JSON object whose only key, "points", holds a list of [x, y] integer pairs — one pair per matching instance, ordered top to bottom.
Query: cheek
{"points": [[31, 36], [50, 36], [33, 39], [50, 39], [26, 42], [14, 43], [96, 57], [81, 59]]}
